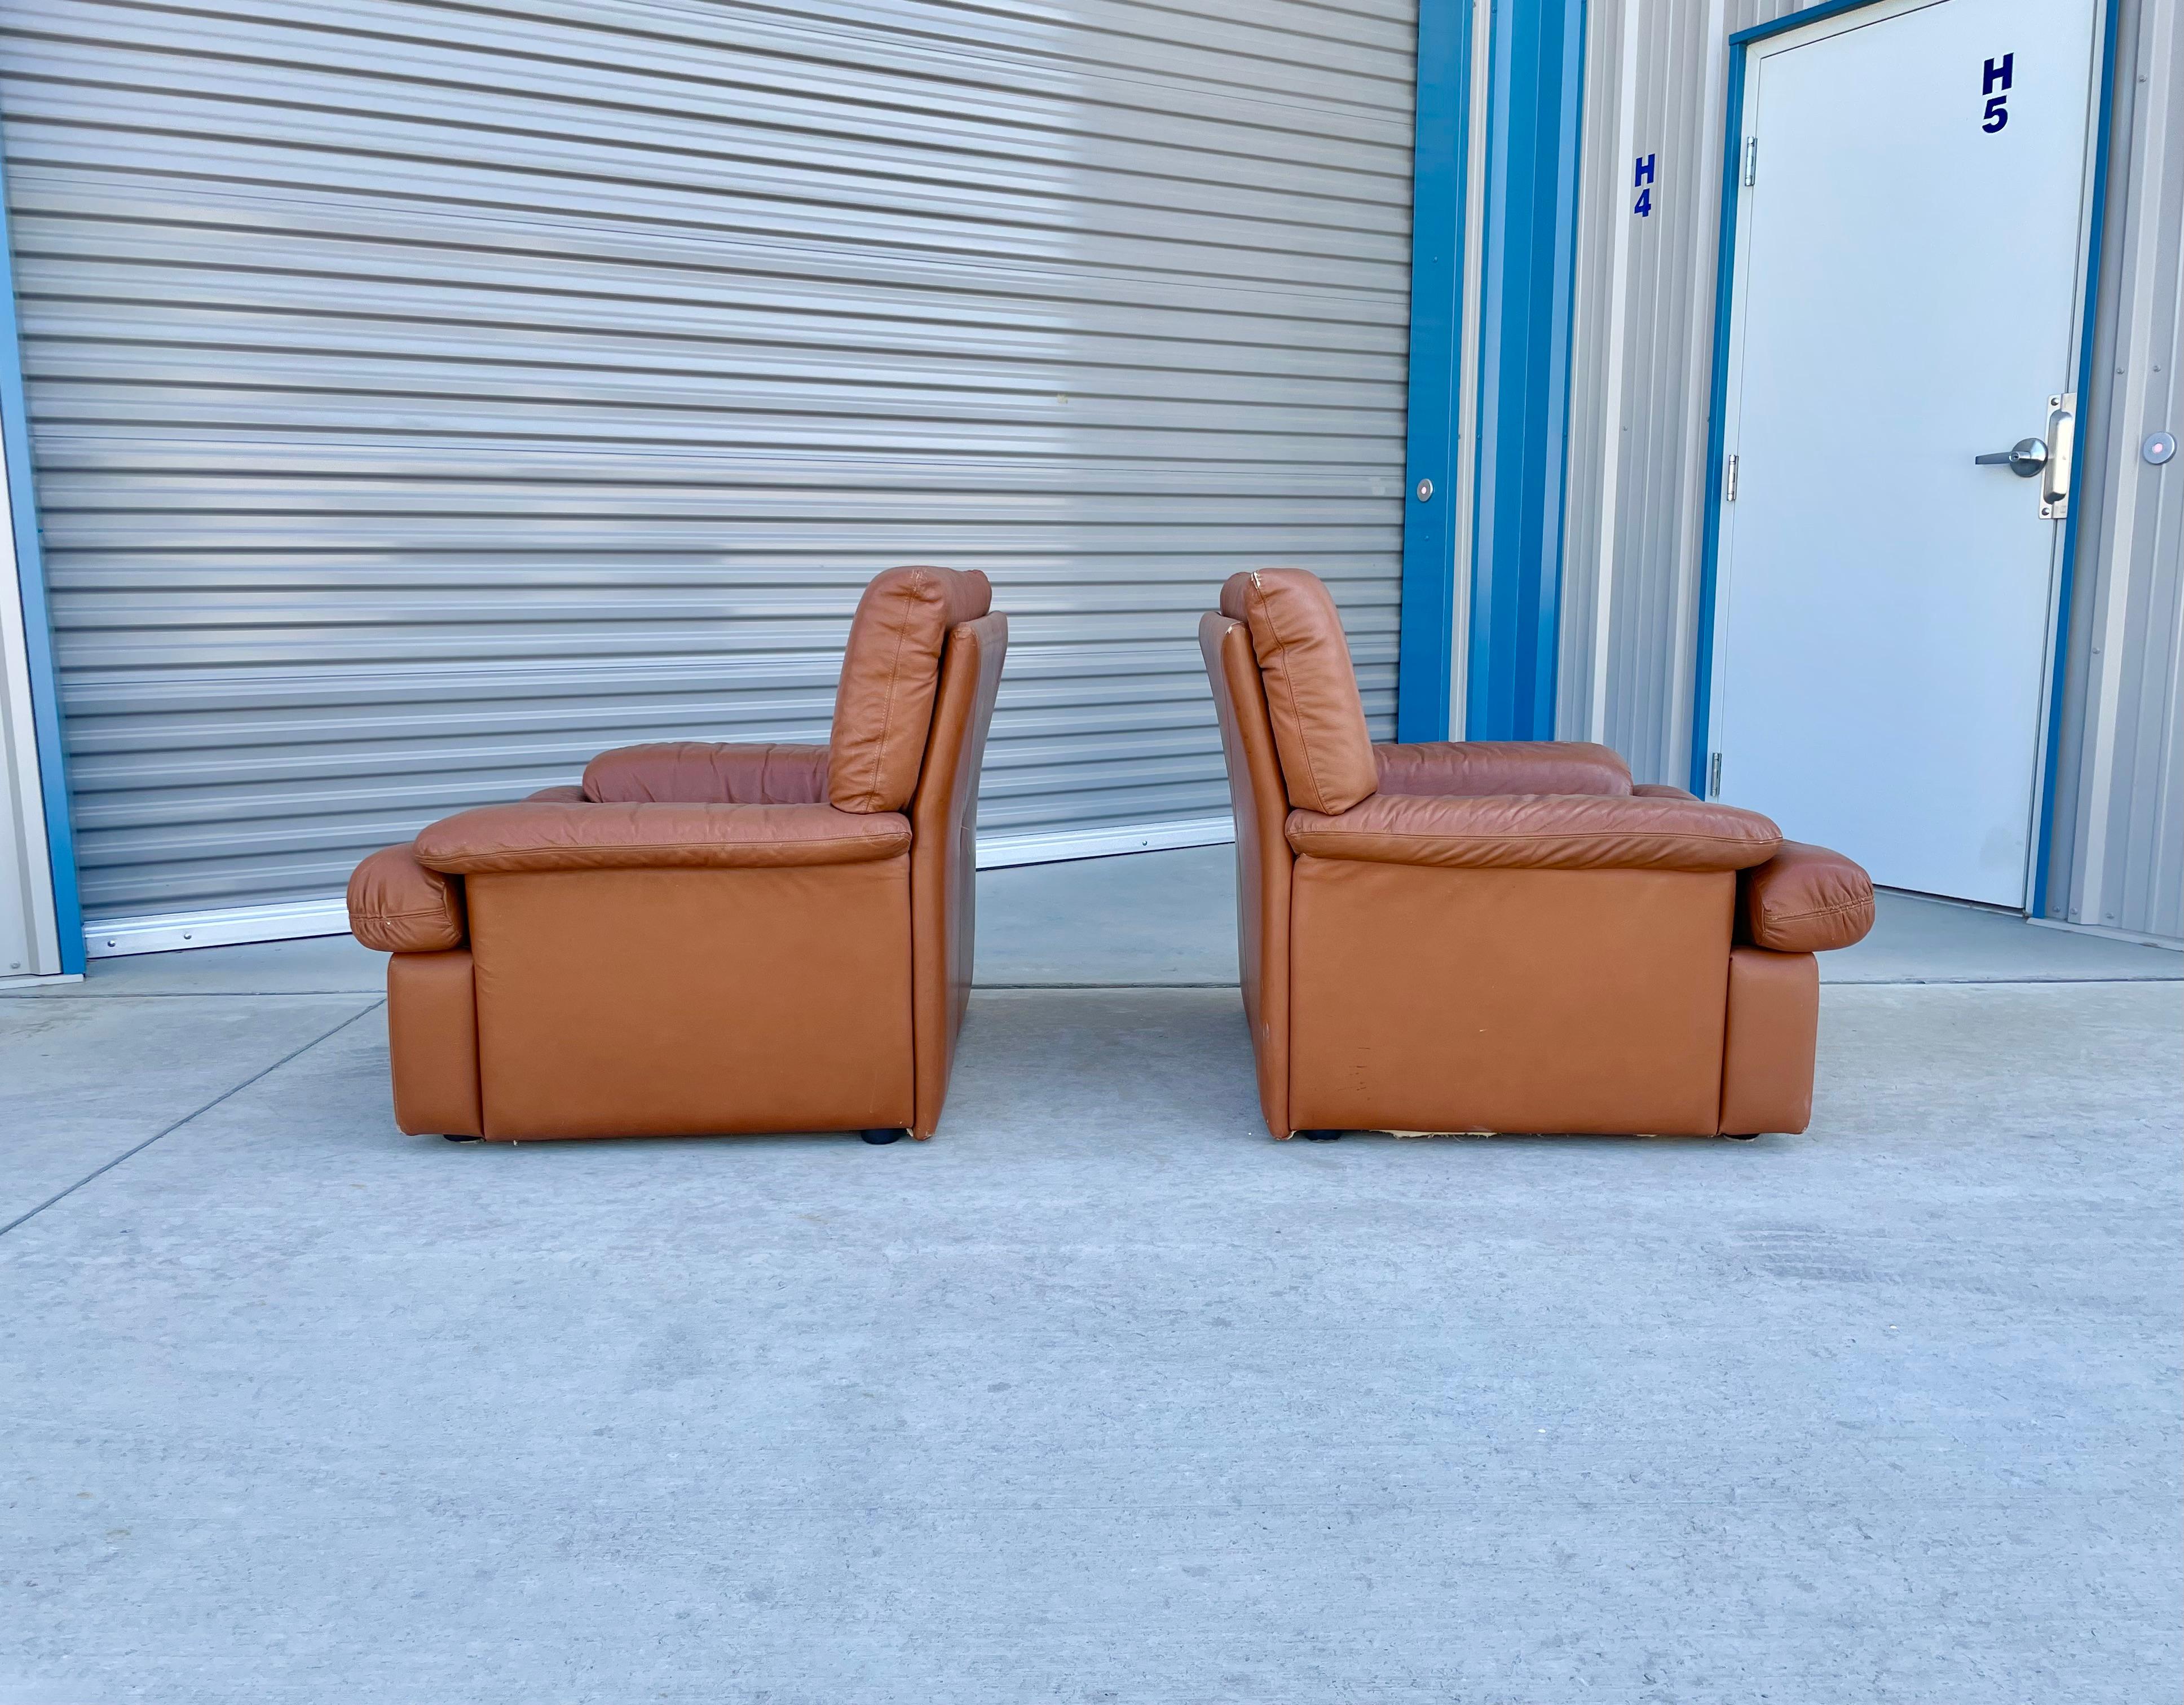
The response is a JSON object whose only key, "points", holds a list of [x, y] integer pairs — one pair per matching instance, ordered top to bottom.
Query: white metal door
{"points": [[1910, 250]]}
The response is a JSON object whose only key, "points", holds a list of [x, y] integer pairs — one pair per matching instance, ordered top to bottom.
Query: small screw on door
{"points": [[1425, 491]]}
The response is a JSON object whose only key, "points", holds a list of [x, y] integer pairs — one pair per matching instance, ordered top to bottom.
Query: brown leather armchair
{"points": [[1500, 936], [703, 938]]}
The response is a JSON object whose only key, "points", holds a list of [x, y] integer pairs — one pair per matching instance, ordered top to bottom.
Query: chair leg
{"points": [[882, 1134], [1321, 1136], [462, 1139]]}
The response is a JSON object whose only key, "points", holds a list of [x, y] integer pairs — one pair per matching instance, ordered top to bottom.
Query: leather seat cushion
{"points": [[1538, 831], [542, 835]]}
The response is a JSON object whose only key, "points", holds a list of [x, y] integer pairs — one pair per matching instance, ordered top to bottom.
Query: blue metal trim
{"points": [[1533, 139], [1440, 164], [37, 616], [2059, 669]]}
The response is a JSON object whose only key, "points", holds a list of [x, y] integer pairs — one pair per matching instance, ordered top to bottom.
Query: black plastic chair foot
{"points": [[883, 1134], [1321, 1136], [1742, 1136], [451, 1138]]}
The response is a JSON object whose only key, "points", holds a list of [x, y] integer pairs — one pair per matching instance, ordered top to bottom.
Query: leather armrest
{"points": [[1473, 767], [706, 773], [1662, 790], [562, 796], [1549, 832], [543, 835], [1804, 900], [397, 906]]}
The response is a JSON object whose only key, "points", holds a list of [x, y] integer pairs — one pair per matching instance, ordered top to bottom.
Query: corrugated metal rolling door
{"points": [[427, 396]]}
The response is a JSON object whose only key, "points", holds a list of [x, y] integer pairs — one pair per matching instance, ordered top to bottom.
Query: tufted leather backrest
{"points": [[1312, 690], [884, 708]]}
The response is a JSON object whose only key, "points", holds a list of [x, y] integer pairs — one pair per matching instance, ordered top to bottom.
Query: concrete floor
{"points": [[1101, 1395]]}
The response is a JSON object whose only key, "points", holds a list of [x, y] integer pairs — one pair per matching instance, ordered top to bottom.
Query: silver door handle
{"points": [[2063, 434], [2025, 458]]}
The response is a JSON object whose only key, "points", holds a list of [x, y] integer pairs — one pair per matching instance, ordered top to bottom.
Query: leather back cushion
{"points": [[1312, 690], [884, 707], [1501, 766], [700, 772]]}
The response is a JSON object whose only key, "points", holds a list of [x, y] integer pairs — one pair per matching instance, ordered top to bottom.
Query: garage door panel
{"points": [[424, 398]]}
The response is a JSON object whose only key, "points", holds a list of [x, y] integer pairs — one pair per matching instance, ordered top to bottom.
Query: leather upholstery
{"points": [[1310, 689], [884, 707], [1501, 767], [705, 773], [1662, 790], [1540, 831], [530, 835], [944, 857], [1263, 860], [1804, 900], [397, 906], [1507, 936], [696, 940], [1508, 1000], [688, 1002], [1773, 1034], [432, 1040]]}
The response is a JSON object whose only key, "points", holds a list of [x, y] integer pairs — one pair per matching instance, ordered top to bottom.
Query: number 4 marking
{"points": [[1641, 179]]}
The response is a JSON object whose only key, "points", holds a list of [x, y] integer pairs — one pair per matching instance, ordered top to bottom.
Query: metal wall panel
{"points": [[1655, 78], [1656, 81], [425, 397], [2118, 850]]}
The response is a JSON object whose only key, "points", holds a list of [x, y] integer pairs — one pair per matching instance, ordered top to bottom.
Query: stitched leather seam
{"points": [[894, 675], [1289, 685], [1459, 837], [859, 840], [398, 916], [1777, 917]]}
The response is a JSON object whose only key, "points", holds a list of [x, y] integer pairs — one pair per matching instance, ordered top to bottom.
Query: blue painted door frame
{"points": [[1535, 83], [1439, 172], [37, 620]]}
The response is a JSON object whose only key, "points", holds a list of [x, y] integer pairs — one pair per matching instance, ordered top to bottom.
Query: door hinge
{"points": [[1751, 161], [1729, 481], [1713, 775]]}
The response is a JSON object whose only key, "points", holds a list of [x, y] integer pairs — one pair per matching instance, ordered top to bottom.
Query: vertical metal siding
{"points": [[425, 397], [2118, 849]]}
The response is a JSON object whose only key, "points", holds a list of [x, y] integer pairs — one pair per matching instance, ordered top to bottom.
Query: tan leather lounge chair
{"points": [[1500, 936], [710, 938]]}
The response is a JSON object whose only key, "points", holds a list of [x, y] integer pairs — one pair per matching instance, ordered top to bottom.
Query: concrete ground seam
{"points": [[195, 1113]]}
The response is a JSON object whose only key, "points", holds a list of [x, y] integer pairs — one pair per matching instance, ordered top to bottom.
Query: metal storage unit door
{"points": [[425, 397]]}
